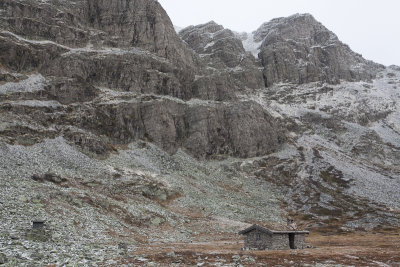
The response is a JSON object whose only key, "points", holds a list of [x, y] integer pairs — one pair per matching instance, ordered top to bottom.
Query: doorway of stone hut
{"points": [[291, 241]]}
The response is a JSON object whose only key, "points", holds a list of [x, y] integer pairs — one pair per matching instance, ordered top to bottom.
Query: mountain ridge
{"points": [[299, 49]]}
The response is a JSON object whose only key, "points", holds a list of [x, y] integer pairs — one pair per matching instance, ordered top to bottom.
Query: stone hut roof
{"points": [[38, 220], [271, 232]]}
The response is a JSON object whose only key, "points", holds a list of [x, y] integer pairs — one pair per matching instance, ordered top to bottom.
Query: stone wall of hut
{"points": [[260, 240], [300, 241]]}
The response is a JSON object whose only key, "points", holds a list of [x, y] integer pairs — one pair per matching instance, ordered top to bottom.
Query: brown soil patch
{"points": [[355, 249]]}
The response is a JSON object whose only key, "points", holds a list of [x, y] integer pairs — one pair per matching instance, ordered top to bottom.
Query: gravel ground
{"points": [[163, 198]]}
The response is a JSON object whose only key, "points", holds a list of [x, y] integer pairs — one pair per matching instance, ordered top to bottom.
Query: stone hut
{"points": [[38, 224], [257, 237]]}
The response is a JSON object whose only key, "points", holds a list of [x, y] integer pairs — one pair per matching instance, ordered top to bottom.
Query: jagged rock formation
{"points": [[77, 23], [83, 38], [220, 46], [299, 49], [228, 68]]}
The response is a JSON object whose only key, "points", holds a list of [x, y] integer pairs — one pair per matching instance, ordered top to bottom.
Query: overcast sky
{"points": [[369, 27]]}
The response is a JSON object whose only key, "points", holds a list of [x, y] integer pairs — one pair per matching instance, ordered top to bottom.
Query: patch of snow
{"points": [[177, 28], [20, 38], [249, 44], [209, 45], [89, 48], [108, 51], [204, 55], [235, 69], [196, 77], [35, 82], [200, 102], [35, 103], [393, 120], [385, 132], [288, 151], [366, 180]]}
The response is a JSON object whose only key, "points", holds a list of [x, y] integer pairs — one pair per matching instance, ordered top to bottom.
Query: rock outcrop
{"points": [[77, 23], [96, 27], [299, 49], [227, 67], [204, 129]]}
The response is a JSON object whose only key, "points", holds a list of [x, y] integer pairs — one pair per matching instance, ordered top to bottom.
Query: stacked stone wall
{"points": [[259, 240]]}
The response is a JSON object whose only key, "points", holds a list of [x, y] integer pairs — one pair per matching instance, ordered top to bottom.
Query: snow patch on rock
{"points": [[249, 43], [34, 82]]}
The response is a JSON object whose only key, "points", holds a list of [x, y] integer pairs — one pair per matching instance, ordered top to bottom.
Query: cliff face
{"points": [[78, 23], [131, 45], [84, 48], [299, 49], [226, 67]]}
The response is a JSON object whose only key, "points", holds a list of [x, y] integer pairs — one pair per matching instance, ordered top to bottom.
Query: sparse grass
{"points": [[359, 249]]}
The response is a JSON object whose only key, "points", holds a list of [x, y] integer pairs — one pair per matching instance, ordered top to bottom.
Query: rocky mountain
{"points": [[299, 49], [154, 61], [226, 67], [116, 129]]}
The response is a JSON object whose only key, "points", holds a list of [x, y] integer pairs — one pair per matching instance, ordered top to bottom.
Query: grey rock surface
{"points": [[78, 23], [299, 49], [227, 67], [85, 78], [203, 128]]}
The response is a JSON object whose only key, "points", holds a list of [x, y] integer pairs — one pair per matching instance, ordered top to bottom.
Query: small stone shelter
{"points": [[38, 224], [257, 237]]}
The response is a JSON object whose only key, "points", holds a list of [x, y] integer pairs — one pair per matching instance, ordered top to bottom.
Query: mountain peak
{"points": [[297, 26], [208, 27], [299, 49]]}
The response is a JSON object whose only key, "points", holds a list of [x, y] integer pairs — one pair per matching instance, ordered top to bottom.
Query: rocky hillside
{"points": [[117, 130]]}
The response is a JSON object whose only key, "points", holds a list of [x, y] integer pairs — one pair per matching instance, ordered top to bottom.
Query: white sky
{"points": [[369, 27]]}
